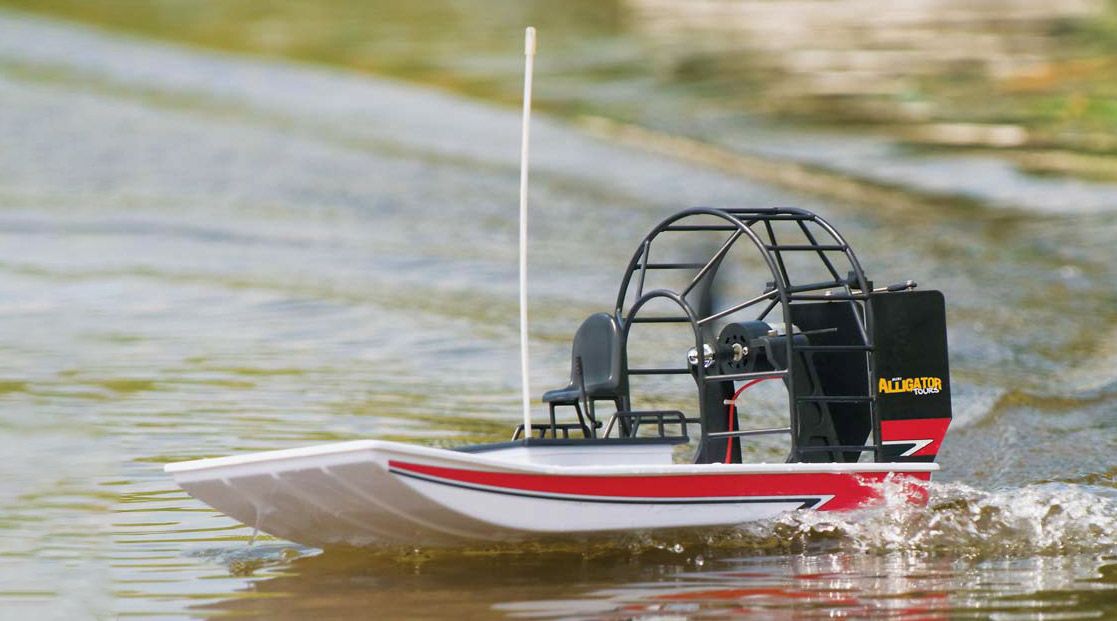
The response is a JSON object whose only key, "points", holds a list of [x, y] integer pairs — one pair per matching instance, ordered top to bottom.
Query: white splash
{"points": [[1048, 518]]}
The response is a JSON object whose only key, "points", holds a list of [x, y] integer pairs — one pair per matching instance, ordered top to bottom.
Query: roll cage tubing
{"points": [[739, 224]]}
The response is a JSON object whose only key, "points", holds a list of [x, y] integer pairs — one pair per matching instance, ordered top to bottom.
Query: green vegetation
{"points": [[1040, 91]]}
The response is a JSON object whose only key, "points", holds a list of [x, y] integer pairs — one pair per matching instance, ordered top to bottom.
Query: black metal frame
{"points": [[781, 292], [661, 418]]}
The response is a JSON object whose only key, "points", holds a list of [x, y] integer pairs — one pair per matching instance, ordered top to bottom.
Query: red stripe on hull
{"points": [[933, 429], [850, 490]]}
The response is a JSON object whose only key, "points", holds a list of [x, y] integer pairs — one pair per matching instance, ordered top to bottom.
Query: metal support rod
{"points": [[529, 64], [701, 227], [805, 247], [773, 248], [821, 255], [713, 261], [671, 266], [643, 269], [815, 286], [838, 297], [739, 307], [767, 309], [833, 348], [658, 371], [740, 377], [748, 432]]}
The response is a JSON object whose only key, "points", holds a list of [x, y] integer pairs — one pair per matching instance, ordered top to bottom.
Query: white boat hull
{"points": [[372, 492]]}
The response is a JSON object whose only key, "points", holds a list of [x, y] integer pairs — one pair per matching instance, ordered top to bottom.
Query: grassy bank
{"points": [[1052, 109]]}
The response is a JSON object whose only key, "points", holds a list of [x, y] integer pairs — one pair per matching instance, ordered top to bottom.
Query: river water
{"points": [[208, 255]]}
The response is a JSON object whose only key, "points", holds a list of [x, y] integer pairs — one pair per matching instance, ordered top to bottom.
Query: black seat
{"points": [[596, 371]]}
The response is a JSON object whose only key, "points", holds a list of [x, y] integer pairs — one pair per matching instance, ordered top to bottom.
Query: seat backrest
{"points": [[598, 344]]}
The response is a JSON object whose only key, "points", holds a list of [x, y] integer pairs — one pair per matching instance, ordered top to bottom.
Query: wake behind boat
{"points": [[864, 371]]}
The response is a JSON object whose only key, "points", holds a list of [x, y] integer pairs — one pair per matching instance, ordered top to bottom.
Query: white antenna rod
{"points": [[529, 58]]}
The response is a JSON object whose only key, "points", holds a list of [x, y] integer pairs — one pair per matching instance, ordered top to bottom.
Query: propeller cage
{"points": [[820, 338]]}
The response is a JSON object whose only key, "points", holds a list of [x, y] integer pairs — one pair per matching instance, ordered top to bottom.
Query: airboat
{"points": [[867, 404]]}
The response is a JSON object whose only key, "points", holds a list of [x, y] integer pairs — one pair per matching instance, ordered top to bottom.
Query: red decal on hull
{"points": [[916, 430], [849, 490]]}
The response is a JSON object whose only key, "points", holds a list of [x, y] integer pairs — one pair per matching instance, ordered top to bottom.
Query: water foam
{"points": [[1047, 518]]}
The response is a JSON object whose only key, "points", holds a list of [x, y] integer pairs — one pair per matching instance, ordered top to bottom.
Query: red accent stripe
{"points": [[933, 429], [850, 490]]}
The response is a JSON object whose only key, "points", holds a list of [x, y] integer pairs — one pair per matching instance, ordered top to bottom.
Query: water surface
{"points": [[208, 255]]}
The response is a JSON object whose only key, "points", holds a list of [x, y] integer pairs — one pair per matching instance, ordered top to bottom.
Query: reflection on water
{"points": [[204, 255], [1038, 549], [662, 580], [839, 585]]}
